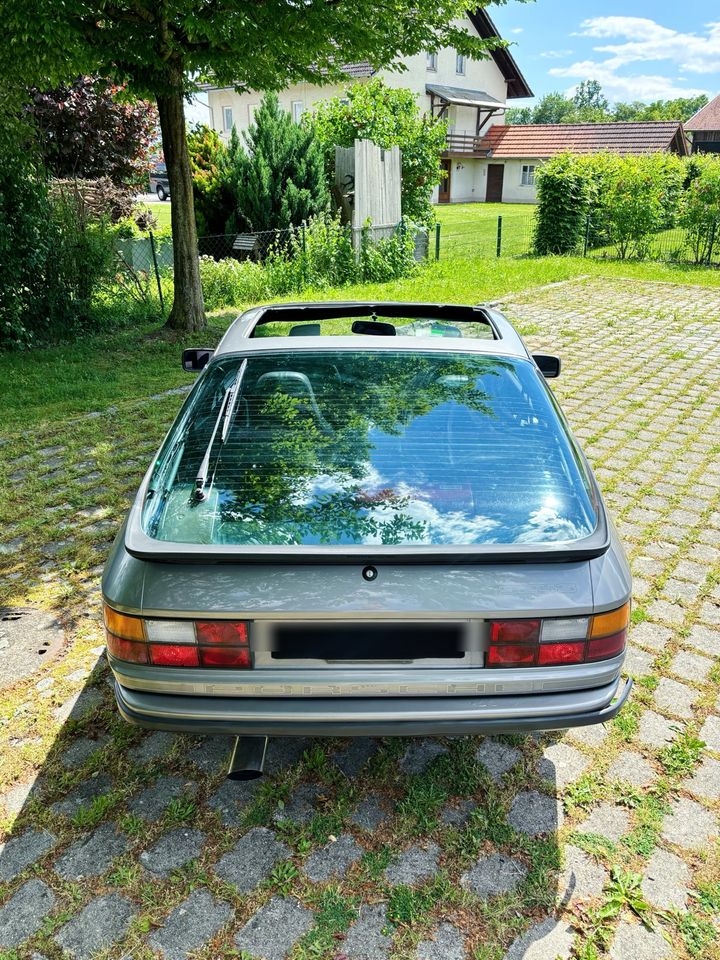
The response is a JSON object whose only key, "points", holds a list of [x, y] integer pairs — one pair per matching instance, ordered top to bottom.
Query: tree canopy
{"points": [[589, 105]]}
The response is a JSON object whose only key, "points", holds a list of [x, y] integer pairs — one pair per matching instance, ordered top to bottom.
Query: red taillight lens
{"points": [[514, 631], [221, 632], [603, 648], [130, 650], [553, 654], [174, 655], [511, 655], [225, 657]]}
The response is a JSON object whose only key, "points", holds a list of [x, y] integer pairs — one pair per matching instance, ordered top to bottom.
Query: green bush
{"points": [[563, 192], [700, 208], [229, 282]]}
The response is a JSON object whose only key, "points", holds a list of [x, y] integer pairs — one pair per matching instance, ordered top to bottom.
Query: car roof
{"points": [[506, 341]]}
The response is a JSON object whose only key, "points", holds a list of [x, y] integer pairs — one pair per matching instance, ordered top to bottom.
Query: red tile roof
{"points": [[708, 118], [543, 140]]}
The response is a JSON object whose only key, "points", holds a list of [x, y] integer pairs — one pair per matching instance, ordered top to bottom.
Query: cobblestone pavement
{"points": [[600, 842]]}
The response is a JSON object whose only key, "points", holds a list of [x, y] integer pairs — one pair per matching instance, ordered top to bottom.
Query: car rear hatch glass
{"points": [[369, 447]]}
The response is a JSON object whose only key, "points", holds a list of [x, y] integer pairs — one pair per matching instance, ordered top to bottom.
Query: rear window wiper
{"points": [[224, 417]]}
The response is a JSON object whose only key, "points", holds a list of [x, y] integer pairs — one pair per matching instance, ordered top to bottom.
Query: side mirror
{"points": [[196, 359], [547, 364]]}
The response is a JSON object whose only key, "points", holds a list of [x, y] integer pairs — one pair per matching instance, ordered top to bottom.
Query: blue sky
{"points": [[637, 49]]}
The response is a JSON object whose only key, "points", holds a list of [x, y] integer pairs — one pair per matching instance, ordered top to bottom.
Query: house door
{"points": [[444, 188], [494, 192]]}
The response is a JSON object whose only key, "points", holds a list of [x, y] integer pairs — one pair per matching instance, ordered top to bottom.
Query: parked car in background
{"points": [[159, 182], [386, 530]]}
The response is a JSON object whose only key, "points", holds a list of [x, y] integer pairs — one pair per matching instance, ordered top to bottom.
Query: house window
{"points": [[432, 61], [460, 64], [297, 110], [227, 118], [528, 175]]}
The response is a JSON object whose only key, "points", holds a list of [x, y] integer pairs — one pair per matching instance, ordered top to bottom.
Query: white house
{"points": [[470, 94]]}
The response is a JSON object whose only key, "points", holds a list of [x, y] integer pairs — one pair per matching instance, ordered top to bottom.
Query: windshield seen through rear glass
{"points": [[369, 447]]}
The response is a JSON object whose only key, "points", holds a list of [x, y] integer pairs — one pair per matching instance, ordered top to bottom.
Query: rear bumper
{"points": [[359, 716]]}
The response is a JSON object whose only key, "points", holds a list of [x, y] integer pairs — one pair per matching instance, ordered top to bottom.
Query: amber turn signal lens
{"points": [[614, 621], [129, 628]]}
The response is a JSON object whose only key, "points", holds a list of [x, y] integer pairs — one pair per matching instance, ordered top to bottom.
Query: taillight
{"points": [[557, 641], [177, 643]]}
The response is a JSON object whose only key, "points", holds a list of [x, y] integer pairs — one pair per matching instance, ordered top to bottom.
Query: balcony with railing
{"points": [[465, 144]]}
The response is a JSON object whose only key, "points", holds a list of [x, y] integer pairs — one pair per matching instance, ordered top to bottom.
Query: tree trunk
{"points": [[188, 309]]}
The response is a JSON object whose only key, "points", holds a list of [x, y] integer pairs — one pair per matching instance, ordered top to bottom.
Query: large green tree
{"points": [[164, 48]]}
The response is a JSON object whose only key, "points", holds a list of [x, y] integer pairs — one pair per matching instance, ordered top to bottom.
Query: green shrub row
{"points": [[624, 202], [321, 257]]}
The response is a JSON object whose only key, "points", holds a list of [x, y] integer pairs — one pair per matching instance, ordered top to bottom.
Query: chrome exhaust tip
{"points": [[248, 758]]}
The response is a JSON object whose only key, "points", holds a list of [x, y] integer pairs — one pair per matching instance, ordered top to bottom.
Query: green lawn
{"points": [[161, 212], [470, 229], [95, 372]]}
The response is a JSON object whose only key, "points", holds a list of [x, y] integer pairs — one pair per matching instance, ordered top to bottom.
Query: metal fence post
{"points": [[437, 240], [586, 242], [711, 244], [498, 247], [157, 273]]}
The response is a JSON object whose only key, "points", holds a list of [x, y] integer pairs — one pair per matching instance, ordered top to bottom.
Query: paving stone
{"points": [[665, 611], [710, 613], [651, 635], [704, 639], [638, 663], [691, 666], [675, 698], [79, 705], [655, 731], [710, 733], [591, 735], [153, 747], [81, 750], [284, 752], [212, 754], [420, 754], [353, 758], [497, 758], [562, 764], [631, 768], [706, 781], [83, 795], [16, 797], [155, 799], [232, 799], [300, 808], [534, 813], [368, 814], [457, 815], [607, 821], [689, 825], [21, 851], [172, 851], [92, 855], [252, 859], [333, 860], [414, 865], [493, 875], [582, 878], [666, 881], [22, 915], [190, 925], [98, 926], [274, 930], [365, 939], [550, 940], [633, 941], [447, 944]]}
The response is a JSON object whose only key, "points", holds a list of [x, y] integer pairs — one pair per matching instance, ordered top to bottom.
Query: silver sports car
{"points": [[368, 518]]}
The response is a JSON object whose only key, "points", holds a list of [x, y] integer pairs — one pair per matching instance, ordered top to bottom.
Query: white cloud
{"points": [[517, 30], [645, 41], [555, 54]]}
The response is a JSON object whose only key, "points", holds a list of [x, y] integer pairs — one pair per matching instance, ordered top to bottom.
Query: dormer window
{"points": [[432, 61], [460, 64]]}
